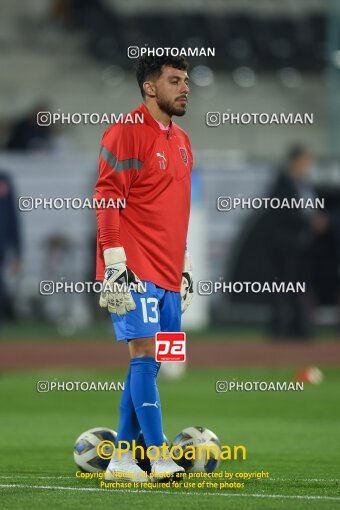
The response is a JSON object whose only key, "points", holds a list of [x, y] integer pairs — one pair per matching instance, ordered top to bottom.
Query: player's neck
{"points": [[158, 114]]}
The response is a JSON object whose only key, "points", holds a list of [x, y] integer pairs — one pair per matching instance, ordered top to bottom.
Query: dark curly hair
{"points": [[151, 67]]}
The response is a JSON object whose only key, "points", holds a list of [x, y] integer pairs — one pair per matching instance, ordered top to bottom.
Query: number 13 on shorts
{"points": [[150, 309]]}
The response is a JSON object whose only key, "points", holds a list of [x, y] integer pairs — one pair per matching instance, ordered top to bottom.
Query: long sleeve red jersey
{"points": [[150, 168]]}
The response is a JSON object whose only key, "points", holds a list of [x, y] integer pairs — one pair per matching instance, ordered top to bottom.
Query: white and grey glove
{"points": [[118, 282], [187, 290]]}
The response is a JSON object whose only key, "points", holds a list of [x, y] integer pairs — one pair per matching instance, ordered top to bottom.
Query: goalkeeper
{"points": [[148, 165]]}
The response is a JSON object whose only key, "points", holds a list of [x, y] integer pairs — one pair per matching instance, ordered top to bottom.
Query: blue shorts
{"points": [[156, 310]]}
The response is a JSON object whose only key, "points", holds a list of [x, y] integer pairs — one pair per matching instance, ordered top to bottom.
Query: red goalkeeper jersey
{"points": [[150, 168]]}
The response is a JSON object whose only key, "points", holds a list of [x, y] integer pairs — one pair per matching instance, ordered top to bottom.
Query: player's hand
{"points": [[118, 282], [187, 290]]}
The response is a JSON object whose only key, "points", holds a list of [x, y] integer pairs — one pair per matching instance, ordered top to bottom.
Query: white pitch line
{"points": [[303, 479], [138, 491]]}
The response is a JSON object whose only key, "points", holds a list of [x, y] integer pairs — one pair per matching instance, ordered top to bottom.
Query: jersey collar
{"points": [[148, 119]]}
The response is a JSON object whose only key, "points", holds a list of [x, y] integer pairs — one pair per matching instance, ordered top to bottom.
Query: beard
{"points": [[167, 107]]}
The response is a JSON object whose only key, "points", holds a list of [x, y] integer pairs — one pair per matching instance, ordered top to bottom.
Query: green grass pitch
{"points": [[294, 436]]}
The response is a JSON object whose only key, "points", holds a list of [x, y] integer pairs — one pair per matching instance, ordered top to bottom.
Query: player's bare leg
{"points": [[142, 347]]}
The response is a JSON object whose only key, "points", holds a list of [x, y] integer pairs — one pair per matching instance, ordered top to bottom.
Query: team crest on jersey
{"points": [[184, 154]]}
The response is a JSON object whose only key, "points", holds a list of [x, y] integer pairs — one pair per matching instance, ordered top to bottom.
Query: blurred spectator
{"points": [[27, 135], [292, 232], [9, 234], [57, 254], [67, 310]]}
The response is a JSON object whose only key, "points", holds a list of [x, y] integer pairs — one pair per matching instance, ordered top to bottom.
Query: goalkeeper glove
{"points": [[118, 282], [187, 290]]}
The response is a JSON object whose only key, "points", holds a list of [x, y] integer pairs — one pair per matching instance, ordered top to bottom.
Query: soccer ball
{"points": [[172, 370], [195, 437], [85, 449], [145, 463]]}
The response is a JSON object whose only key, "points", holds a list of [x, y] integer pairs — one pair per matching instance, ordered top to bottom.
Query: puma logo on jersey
{"points": [[161, 155], [162, 162], [146, 404]]}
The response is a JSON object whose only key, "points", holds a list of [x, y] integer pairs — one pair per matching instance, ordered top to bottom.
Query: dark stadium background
{"points": [[64, 56], [71, 56]]}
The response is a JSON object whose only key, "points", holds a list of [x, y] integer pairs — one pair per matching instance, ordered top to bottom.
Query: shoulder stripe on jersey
{"points": [[120, 165]]}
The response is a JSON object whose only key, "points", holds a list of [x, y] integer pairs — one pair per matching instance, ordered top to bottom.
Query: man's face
{"points": [[171, 91]]}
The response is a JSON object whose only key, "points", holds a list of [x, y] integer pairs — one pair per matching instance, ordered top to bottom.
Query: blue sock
{"points": [[145, 397], [128, 423]]}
